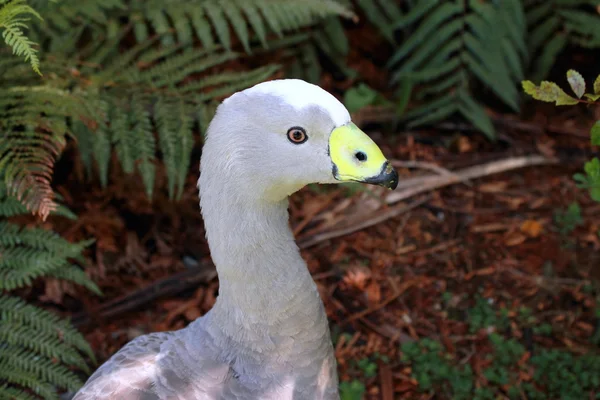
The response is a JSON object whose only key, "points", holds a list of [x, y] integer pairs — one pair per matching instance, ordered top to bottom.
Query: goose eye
{"points": [[297, 135]]}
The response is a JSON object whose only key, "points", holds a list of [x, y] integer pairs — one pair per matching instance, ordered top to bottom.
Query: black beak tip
{"points": [[388, 177], [393, 180]]}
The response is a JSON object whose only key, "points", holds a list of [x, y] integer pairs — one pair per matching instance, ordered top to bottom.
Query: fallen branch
{"points": [[414, 186], [190, 278]]}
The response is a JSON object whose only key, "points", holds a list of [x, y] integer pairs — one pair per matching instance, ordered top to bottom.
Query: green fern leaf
{"points": [[417, 11], [234, 14], [382, 14], [218, 20], [255, 20], [12, 22], [430, 24], [553, 24], [182, 25], [442, 37], [428, 74], [229, 82], [443, 85], [433, 105], [475, 114], [434, 116], [166, 125], [119, 133], [142, 135], [16, 312], [48, 345], [42, 369], [22, 378], [7, 392]]}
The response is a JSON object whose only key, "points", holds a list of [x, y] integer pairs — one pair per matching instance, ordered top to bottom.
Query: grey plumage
{"points": [[267, 337]]}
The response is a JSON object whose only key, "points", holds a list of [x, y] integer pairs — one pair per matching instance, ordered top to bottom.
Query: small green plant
{"points": [[552, 93], [361, 96], [567, 221], [484, 315], [544, 329], [505, 356], [367, 367], [433, 368], [557, 374], [566, 376], [353, 390]]}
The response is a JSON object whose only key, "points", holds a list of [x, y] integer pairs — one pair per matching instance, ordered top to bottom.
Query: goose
{"points": [[267, 336]]}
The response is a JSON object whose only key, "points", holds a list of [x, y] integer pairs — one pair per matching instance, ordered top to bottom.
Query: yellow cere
{"points": [[344, 142]]}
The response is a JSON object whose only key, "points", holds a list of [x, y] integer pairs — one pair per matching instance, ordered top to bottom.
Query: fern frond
{"points": [[64, 14], [383, 14], [247, 18], [12, 21], [555, 23], [454, 46], [229, 82], [34, 121], [174, 125], [142, 134], [10, 206], [13, 236], [29, 253], [20, 266], [17, 312], [49, 346], [37, 348], [42, 369], [26, 379], [8, 392]]}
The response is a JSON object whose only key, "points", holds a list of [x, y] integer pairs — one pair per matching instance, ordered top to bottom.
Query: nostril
{"points": [[360, 156]]}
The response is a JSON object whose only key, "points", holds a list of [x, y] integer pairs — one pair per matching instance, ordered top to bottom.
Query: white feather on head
{"points": [[301, 94]]}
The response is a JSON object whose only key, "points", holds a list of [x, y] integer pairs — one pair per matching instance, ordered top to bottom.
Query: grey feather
{"points": [[267, 337]]}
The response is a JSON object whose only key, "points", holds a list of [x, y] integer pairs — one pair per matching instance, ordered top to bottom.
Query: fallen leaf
{"points": [[493, 187], [531, 228], [515, 239], [373, 293]]}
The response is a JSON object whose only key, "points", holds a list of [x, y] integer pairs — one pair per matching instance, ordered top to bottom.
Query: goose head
{"points": [[274, 138]]}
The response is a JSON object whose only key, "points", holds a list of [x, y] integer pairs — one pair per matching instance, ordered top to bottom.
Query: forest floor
{"points": [[476, 288]]}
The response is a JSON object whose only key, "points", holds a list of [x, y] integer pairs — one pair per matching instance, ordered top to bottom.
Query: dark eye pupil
{"points": [[296, 135]]}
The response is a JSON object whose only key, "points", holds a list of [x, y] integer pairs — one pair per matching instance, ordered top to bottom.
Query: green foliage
{"points": [[201, 17], [13, 19], [553, 24], [450, 49], [451, 55], [551, 92], [361, 96], [142, 101], [34, 129], [591, 179], [566, 221], [483, 315], [37, 348], [432, 367], [557, 374], [566, 376], [353, 390]]}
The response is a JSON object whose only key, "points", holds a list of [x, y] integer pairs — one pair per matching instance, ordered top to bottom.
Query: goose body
{"points": [[267, 336]]}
